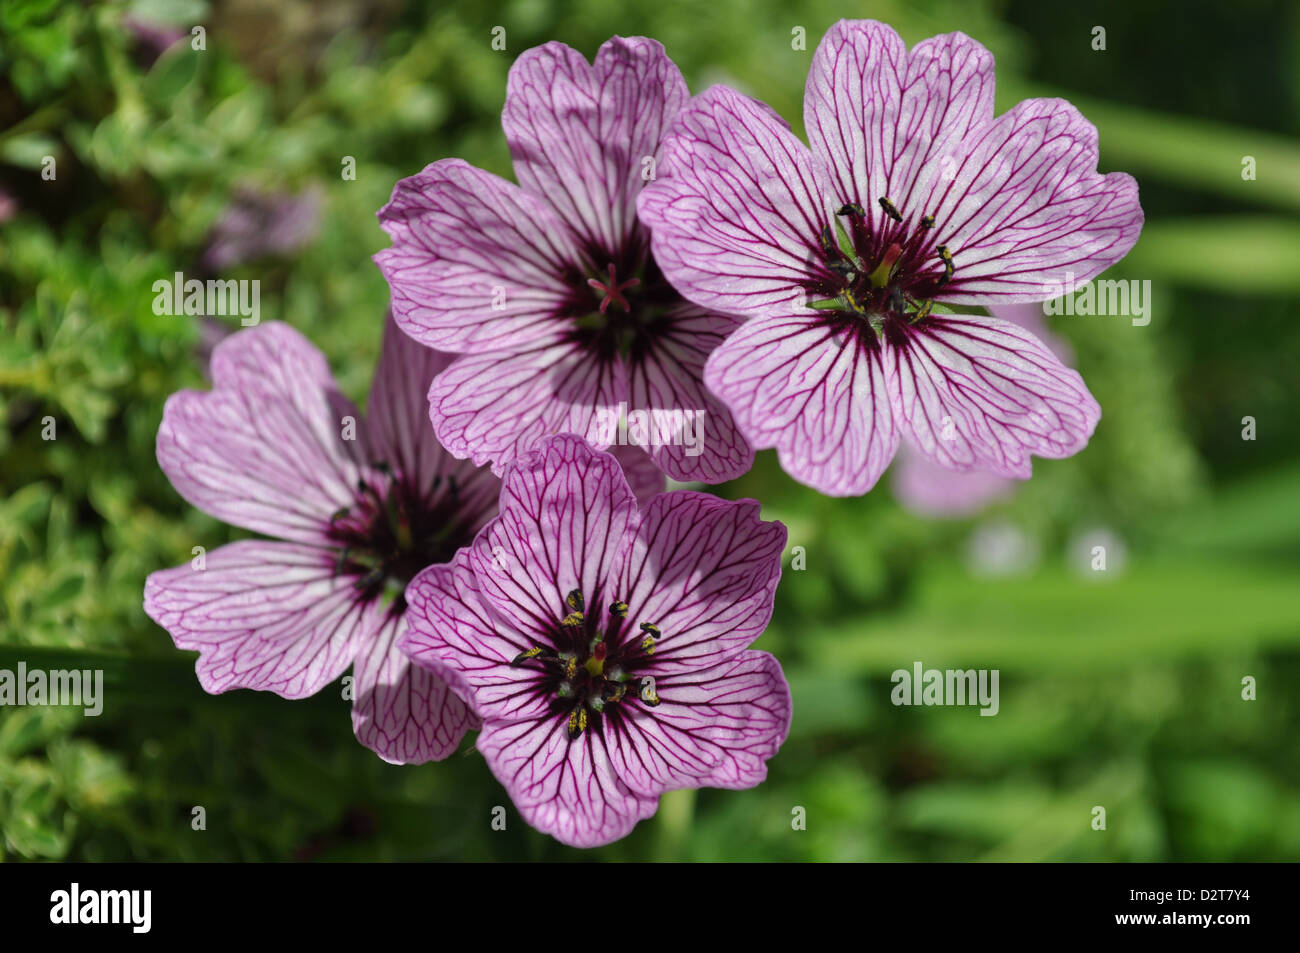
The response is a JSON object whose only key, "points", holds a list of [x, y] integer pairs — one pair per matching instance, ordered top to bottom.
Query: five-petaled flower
{"points": [[912, 195], [547, 289], [357, 507], [605, 646]]}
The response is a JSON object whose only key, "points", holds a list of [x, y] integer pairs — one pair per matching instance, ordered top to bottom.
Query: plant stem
{"points": [[676, 811]]}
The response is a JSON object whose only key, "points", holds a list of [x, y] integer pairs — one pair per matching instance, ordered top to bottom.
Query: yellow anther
{"points": [[826, 240], [948, 266], [524, 656], [577, 721]]}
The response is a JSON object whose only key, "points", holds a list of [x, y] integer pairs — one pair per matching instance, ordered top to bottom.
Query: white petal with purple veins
{"points": [[581, 134], [736, 213], [1027, 213], [477, 263], [981, 392], [816, 393], [498, 406], [695, 436], [267, 449], [565, 514], [704, 572], [265, 615], [452, 626], [404, 713], [566, 788]]}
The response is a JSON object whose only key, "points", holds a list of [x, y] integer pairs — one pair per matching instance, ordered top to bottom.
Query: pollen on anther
{"points": [[827, 241], [948, 267], [527, 654], [577, 722]]}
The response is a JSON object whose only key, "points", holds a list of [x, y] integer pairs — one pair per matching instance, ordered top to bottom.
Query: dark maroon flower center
{"points": [[889, 273], [619, 303], [394, 530], [595, 666]]}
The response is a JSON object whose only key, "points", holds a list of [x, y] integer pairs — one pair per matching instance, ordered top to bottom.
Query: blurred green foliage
{"points": [[1123, 692]]}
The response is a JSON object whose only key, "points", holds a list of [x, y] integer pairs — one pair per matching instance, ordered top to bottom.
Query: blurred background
{"points": [[1120, 688]]}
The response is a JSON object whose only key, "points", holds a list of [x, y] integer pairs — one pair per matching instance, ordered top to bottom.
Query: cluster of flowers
{"points": [[499, 571]]}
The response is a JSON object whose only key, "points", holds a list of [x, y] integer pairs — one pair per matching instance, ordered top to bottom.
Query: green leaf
{"points": [[170, 12], [174, 71], [29, 151], [1240, 255], [1058, 620]]}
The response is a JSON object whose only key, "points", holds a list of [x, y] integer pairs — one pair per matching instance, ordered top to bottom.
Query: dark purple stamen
{"points": [[892, 274], [619, 314], [392, 531], [595, 663]]}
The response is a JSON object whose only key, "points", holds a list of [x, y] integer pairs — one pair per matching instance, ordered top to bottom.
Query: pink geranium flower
{"points": [[912, 195], [547, 289], [355, 507], [605, 646]]}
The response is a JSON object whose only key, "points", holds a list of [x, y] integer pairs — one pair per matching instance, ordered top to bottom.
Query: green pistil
{"points": [[880, 277], [595, 664]]}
